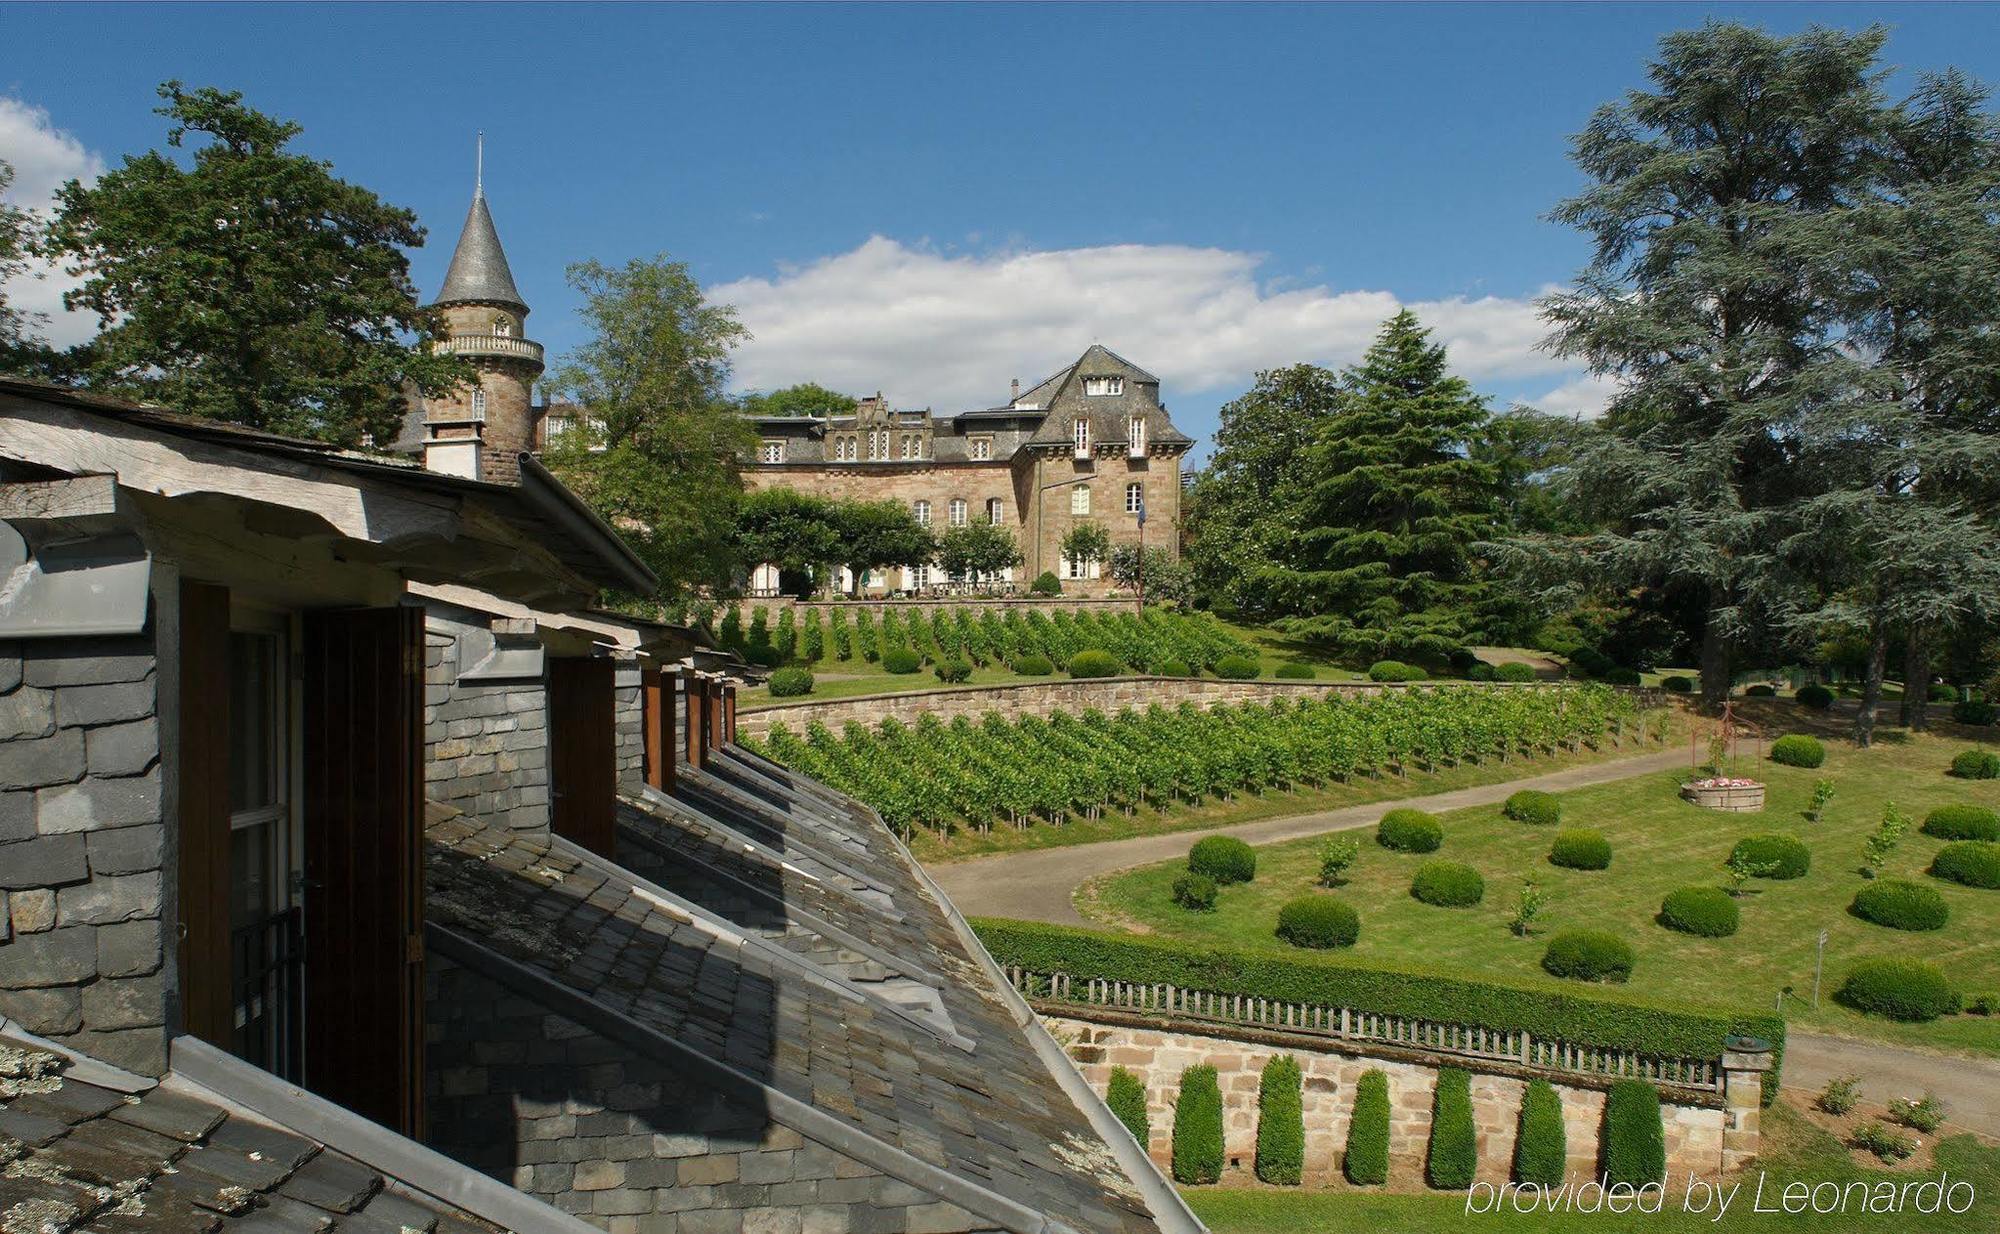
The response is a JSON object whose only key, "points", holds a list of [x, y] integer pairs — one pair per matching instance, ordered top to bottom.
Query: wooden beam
{"points": [[78, 497]]}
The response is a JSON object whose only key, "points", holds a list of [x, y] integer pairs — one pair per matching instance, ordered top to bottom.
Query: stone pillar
{"points": [[1744, 1062]]}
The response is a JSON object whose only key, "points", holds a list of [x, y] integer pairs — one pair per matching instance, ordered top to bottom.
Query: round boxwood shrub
{"points": [[1046, 584], [901, 660], [1091, 662], [1034, 665], [1237, 667], [1173, 668], [1395, 670], [953, 671], [1293, 671], [1482, 671], [1514, 671], [1620, 676], [791, 682], [1677, 684], [1760, 690], [1815, 696], [1973, 711], [1798, 750], [1976, 765], [1533, 806], [1962, 822], [1409, 831], [1580, 849], [1782, 856], [1225, 859], [1974, 863], [1448, 884], [1195, 892], [1901, 905], [1709, 912], [1318, 922], [1588, 955], [1899, 989], [1127, 1099], [1198, 1127], [1635, 1136], [1541, 1143], [1454, 1146], [1366, 1162]]}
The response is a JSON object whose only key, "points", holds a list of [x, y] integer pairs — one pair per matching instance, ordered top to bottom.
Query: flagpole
{"points": [[1142, 554]]}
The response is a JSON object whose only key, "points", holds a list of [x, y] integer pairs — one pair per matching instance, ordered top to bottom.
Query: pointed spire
{"points": [[479, 165], [478, 270]]}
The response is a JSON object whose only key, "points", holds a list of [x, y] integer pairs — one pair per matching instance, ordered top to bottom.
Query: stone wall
{"points": [[629, 724], [486, 743], [81, 840], [1695, 1132]]}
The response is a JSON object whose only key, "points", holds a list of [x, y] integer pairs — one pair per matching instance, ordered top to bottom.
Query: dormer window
{"points": [[1097, 386], [1135, 433], [1082, 438], [772, 452]]}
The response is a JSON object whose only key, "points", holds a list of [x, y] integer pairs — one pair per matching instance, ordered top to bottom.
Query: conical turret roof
{"points": [[478, 265]]}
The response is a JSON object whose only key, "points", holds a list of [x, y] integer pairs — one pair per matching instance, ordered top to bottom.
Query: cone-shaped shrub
{"points": [[1127, 1099], [1281, 1124], [1198, 1127], [1635, 1139], [1541, 1147], [1454, 1148], [1367, 1159]]}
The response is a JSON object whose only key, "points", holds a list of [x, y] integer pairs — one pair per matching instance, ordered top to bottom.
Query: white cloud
{"points": [[43, 158], [947, 331], [1584, 396]]}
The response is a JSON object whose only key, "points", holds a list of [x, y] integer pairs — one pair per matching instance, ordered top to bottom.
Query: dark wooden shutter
{"points": [[691, 698], [657, 700], [363, 701], [583, 768], [202, 814]]}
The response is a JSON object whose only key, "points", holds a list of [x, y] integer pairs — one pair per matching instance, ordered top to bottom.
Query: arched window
{"points": [[479, 402], [1135, 498], [1079, 499], [923, 512]]}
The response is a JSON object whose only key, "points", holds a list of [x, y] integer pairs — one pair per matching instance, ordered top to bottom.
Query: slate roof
{"points": [[478, 273], [1110, 415], [784, 932], [79, 1158]]}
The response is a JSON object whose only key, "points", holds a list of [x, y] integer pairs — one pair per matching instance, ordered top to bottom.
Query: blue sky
{"points": [[933, 199]]}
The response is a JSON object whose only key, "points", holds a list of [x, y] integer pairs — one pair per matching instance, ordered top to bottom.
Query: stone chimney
{"points": [[1015, 396]]}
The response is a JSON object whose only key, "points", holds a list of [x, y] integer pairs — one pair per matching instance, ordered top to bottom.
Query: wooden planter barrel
{"points": [[1735, 798]]}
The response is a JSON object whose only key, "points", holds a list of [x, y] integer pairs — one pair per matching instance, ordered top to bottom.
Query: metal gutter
{"points": [[553, 498]]}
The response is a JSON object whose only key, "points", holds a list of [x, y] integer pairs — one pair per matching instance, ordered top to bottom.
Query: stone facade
{"points": [[629, 725], [486, 743], [81, 846], [1695, 1132]]}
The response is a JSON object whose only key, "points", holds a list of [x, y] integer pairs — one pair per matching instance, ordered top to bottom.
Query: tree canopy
{"points": [[17, 232], [805, 399]]}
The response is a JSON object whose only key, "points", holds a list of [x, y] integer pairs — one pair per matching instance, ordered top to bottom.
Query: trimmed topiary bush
{"points": [[1046, 584], [901, 660], [1092, 662], [1033, 665], [1173, 668], [1237, 668], [1396, 670], [953, 671], [1293, 671], [1482, 671], [1516, 672], [1620, 676], [791, 682], [1677, 684], [1760, 690], [1815, 696], [1977, 712], [1798, 750], [1976, 765], [1533, 806], [1963, 821], [1409, 831], [1580, 850], [1779, 855], [1225, 859], [1972, 863], [1448, 884], [1195, 892], [1901, 905], [1709, 912], [1318, 922], [1588, 955], [1909, 990], [1127, 1098], [1281, 1123], [1198, 1127], [1635, 1137], [1541, 1145], [1454, 1147], [1366, 1162]]}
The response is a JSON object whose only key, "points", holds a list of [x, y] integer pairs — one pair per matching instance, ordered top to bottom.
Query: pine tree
{"points": [[1382, 565]]}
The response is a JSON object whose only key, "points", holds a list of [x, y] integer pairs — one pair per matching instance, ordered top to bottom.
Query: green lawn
{"points": [[1659, 843], [1795, 1150]]}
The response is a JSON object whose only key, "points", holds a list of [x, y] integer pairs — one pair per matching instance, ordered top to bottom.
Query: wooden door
{"points": [[362, 694], [691, 700], [657, 702], [583, 767], [202, 814]]}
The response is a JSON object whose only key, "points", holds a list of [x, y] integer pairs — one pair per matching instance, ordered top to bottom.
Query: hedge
{"points": [[1091, 662], [1237, 668], [1396, 670], [1293, 671], [1515, 671], [791, 682], [1677, 684], [1815, 696], [1977, 712], [1798, 750], [1976, 765], [1533, 806], [1962, 822], [1409, 831], [1580, 850], [1783, 856], [1225, 859], [1973, 863], [1448, 884], [1901, 905], [1709, 912], [1318, 922], [1588, 955], [1908, 990], [1610, 1019], [1127, 1099], [1281, 1122], [1198, 1127], [1635, 1138], [1541, 1145], [1454, 1147], [1367, 1159]]}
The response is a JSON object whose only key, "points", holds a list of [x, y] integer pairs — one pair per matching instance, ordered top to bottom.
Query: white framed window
{"points": [[503, 326], [1098, 386], [479, 402], [1082, 432], [1136, 435], [878, 446], [913, 446], [979, 449], [771, 452], [1135, 498], [1079, 499], [996, 510], [955, 512], [923, 513], [1079, 567]]}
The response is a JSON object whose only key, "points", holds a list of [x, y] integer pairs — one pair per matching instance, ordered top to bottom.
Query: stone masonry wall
{"points": [[628, 724], [486, 744], [81, 840], [583, 1122], [1694, 1132]]}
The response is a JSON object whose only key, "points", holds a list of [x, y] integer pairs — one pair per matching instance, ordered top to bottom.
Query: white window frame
{"points": [[1103, 387], [479, 402], [1081, 431], [1136, 435], [979, 449], [772, 451], [1135, 497], [1079, 500], [922, 509], [956, 511], [996, 511]]}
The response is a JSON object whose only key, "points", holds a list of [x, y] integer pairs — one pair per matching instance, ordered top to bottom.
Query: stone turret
{"points": [[480, 430]]}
